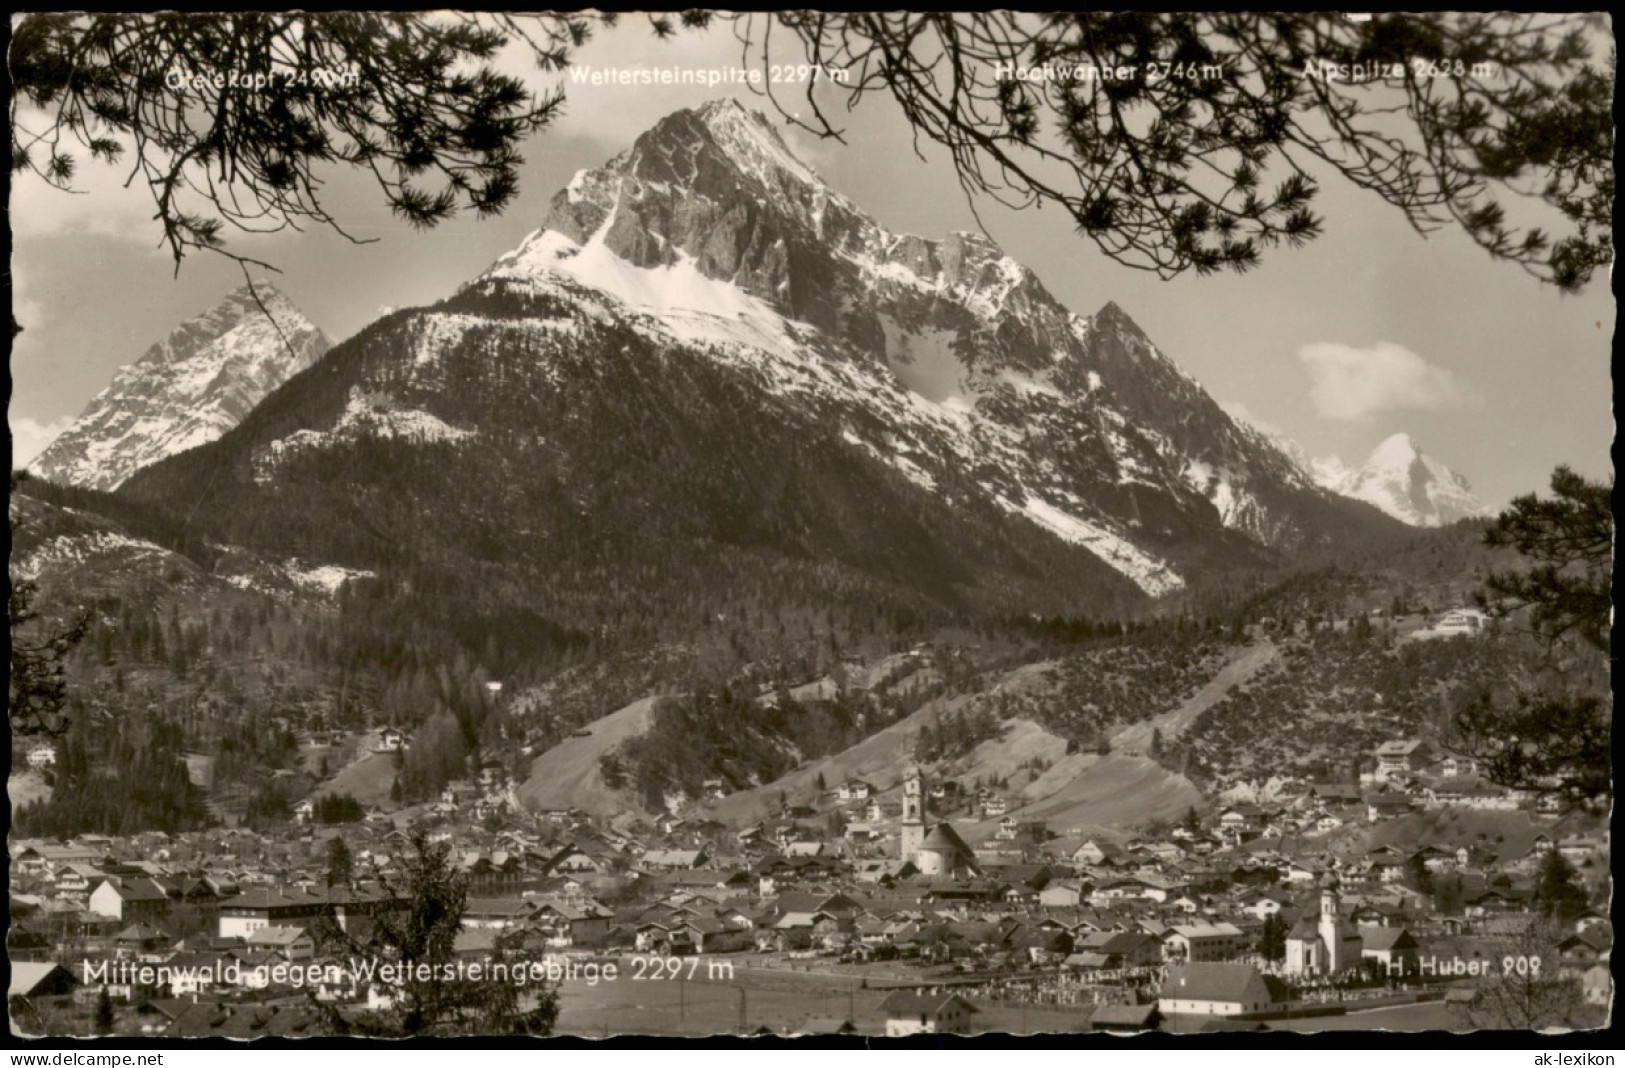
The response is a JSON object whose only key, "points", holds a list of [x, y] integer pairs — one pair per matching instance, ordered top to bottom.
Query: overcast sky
{"points": [[1367, 331]]}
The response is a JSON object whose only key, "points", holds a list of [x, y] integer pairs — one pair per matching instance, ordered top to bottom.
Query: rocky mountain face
{"points": [[706, 353], [956, 355], [186, 390], [1407, 483]]}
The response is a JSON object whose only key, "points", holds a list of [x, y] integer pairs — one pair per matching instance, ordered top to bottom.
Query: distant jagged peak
{"points": [[187, 389], [1396, 452]]}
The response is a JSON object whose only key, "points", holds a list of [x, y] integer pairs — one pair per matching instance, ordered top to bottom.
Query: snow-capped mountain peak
{"points": [[188, 389], [1398, 478], [1411, 486]]}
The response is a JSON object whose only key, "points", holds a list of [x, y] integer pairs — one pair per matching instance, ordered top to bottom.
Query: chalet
{"points": [[1460, 621], [391, 740], [1401, 757], [1454, 766], [854, 790], [1380, 807], [1241, 818], [1096, 853], [39, 857], [675, 859], [586, 860], [75, 879], [1144, 886], [1065, 893], [130, 900], [1266, 905], [255, 909], [497, 912], [1377, 914], [566, 923], [141, 941], [1202, 942], [292, 944], [1122, 949], [1394, 949], [1580, 951], [1218, 990], [908, 1013]]}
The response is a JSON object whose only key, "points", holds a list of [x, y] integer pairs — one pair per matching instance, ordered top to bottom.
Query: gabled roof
{"points": [[943, 838], [137, 890], [276, 936], [1387, 938], [28, 976], [1218, 982], [907, 1005]]}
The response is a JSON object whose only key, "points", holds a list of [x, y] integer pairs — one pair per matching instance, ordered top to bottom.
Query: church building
{"points": [[938, 850], [1323, 945]]}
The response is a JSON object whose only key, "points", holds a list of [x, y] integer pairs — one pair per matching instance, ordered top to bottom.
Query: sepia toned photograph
{"points": [[811, 525]]}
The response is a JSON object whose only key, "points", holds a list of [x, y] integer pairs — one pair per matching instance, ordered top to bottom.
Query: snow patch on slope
{"points": [[696, 307], [365, 415], [78, 549], [1152, 575]]}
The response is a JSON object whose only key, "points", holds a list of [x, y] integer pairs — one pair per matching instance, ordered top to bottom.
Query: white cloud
{"points": [[100, 203], [26, 308], [1350, 383], [29, 437]]}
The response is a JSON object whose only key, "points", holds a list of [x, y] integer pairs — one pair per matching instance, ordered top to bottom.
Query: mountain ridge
{"points": [[707, 252]]}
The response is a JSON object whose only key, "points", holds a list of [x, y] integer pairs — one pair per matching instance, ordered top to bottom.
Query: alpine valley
{"points": [[730, 489]]}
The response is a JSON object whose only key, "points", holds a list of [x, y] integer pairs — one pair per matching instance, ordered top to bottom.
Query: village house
{"points": [[1460, 621], [390, 740], [1401, 757], [1454, 765], [1380, 807], [675, 859], [130, 900], [263, 907], [497, 912], [143, 942], [1203, 942], [292, 944], [1121, 949], [1394, 949], [1218, 990], [908, 1013]]}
